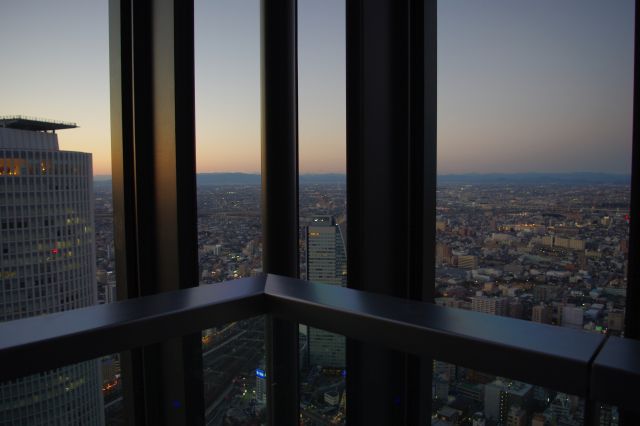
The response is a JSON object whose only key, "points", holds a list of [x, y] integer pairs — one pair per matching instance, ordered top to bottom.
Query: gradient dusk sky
{"points": [[535, 85]]}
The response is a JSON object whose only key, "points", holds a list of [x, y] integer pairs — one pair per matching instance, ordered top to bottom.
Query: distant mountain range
{"points": [[250, 178], [468, 178], [536, 178]]}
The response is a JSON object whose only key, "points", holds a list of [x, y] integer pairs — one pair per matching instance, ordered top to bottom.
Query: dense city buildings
{"points": [[558, 252], [554, 254], [47, 263]]}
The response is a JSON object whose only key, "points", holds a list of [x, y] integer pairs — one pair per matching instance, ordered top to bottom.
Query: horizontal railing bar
{"points": [[38, 344], [539, 354], [562, 359], [615, 376]]}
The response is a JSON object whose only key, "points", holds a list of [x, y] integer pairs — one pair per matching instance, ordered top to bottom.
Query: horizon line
{"points": [[438, 174]]}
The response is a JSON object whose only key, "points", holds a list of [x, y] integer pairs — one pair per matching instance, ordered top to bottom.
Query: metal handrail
{"points": [[585, 364]]}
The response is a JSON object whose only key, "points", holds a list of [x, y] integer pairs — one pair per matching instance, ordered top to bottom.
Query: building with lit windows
{"points": [[467, 262], [47, 263], [327, 264], [502, 395]]}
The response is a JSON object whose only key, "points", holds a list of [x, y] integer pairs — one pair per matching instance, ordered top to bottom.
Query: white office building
{"points": [[47, 264]]}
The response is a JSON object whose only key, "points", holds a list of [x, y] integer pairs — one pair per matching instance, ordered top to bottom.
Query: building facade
{"points": [[47, 264], [327, 264], [490, 305]]}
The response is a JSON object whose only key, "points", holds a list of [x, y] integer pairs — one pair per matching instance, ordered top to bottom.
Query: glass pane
{"points": [[227, 58], [534, 148], [322, 198], [56, 230], [233, 360], [112, 390], [68, 395], [323, 395], [464, 396], [609, 415]]}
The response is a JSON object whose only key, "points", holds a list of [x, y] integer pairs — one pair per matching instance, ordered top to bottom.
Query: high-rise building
{"points": [[563, 242], [443, 253], [467, 262], [47, 263], [327, 264], [490, 305], [515, 309], [542, 314], [572, 316], [615, 320], [261, 386], [501, 395], [516, 416], [478, 419]]}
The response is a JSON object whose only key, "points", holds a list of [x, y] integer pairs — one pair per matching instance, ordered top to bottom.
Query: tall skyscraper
{"points": [[47, 264], [327, 264], [541, 313]]}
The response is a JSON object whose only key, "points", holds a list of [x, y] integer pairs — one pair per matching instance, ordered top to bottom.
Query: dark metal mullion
{"points": [[279, 110], [379, 128], [429, 143], [121, 146], [142, 148], [422, 159], [430, 164], [123, 182], [422, 184], [186, 200], [161, 245], [632, 311], [145, 361], [591, 413]]}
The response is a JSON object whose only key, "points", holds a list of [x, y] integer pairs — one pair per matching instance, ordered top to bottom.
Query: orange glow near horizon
{"points": [[214, 155]]}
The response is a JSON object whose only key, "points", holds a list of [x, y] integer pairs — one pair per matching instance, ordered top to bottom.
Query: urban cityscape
{"points": [[541, 86], [229, 235], [539, 248], [554, 253]]}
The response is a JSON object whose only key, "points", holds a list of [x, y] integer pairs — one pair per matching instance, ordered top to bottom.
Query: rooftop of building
{"points": [[34, 124]]}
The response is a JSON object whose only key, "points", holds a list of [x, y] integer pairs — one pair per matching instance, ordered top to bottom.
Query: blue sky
{"points": [[535, 85]]}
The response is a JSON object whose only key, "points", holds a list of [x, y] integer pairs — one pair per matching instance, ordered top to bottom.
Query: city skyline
{"points": [[543, 86]]}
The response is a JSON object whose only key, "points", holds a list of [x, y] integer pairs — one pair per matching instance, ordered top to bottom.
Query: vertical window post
{"points": [[279, 87], [153, 146], [391, 178], [632, 311]]}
